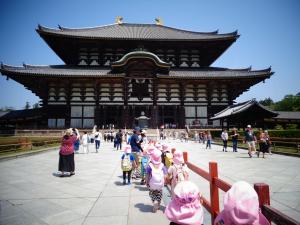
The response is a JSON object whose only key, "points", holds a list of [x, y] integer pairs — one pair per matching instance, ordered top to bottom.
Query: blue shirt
{"points": [[134, 140], [130, 156]]}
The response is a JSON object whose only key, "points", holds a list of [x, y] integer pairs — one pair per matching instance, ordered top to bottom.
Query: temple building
{"points": [[116, 73]]}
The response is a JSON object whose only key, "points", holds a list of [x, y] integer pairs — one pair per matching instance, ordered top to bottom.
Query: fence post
{"points": [[185, 156], [214, 191], [263, 193]]}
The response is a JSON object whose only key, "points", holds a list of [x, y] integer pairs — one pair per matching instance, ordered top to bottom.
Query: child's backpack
{"points": [[168, 159], [126, 163], [180, 175], [157, 177]]}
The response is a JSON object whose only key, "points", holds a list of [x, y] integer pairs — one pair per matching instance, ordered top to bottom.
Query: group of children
{"points": [[159, 167]]}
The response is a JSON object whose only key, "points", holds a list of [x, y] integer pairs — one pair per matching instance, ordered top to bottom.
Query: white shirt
{"points": [[99, 136], [224, 136], [85, 139]]}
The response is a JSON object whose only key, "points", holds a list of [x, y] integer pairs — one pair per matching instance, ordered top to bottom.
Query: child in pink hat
{"points": [[127, 163], [178, 171], [155, 178], [241, 206], [185, 207]]}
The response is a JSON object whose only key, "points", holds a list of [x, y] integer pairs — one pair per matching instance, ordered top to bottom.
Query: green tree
{"points": [[267, 102], [288, 103]]}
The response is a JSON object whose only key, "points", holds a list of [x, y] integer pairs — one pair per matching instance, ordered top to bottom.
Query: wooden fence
{"points": [[215, 183]]}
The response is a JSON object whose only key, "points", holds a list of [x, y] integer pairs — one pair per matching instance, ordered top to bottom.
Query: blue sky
{"points": [[269, 30]]}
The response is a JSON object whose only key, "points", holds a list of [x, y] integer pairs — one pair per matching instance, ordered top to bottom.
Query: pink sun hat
{"points": [[158, 146], [166, 148], [127, 149], [150, 149], [156, 157], [178, 157], [241, 206], [185, 207]]}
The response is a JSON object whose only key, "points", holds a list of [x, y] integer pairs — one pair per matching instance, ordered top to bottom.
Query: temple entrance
{"points": [[168, 116]]}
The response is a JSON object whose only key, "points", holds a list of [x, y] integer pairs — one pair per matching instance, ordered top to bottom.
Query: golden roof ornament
{"points": [[119, 19], [158, 21]]}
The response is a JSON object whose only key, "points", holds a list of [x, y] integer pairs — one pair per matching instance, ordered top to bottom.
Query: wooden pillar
{"points": [[209, 89], [68, 107], [181, 107], [97, 108], [154, 111], [214, 191], [263, 193]]}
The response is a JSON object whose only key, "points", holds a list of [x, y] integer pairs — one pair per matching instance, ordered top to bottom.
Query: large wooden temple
{"points": [[113, 73]]}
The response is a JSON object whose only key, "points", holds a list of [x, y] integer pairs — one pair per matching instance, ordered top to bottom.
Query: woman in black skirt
{"points": [[66, 163]]}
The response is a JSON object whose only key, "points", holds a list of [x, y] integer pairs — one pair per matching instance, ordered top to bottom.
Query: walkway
{"points": [[30, 193]]}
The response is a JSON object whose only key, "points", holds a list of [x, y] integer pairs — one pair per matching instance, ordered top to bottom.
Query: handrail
{"points": [[212, 206]]}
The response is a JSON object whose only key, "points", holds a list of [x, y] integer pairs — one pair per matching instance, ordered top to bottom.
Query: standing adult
{"points": [[98, 137], [224, 137], [234, 137], [119, 138], [208, 138], [250, 139], [77, 142], [85, 142], [268, 142], [263, 146], [136, 149], [66, 163]]}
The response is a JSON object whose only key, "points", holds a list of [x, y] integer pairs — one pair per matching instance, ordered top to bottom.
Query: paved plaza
{"points": [[31, 193]]}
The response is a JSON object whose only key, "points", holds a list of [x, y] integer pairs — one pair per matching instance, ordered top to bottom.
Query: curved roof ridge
{"points": [[62, 28], [85, 28], [142, 53]]}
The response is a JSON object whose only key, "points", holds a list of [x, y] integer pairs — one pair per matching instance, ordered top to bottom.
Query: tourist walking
{"points": [[98, 137], [224, 137], [119, 138], [208, 138], [234, 138], [250, 139], [77, 142], [85, 142], [269, 143], [263, 146], [136, 148], [66, 163], [155, 178], [186, 207]]}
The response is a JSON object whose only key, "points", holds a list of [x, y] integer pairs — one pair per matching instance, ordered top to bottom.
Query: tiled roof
{"points": [[136, 32], [57, 71], [197, 73], [222, 73], [239, 108], [24, 113], [288, 115]]}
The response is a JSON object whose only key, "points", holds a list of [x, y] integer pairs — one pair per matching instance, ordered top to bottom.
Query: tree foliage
{"points": [[288, 103]]}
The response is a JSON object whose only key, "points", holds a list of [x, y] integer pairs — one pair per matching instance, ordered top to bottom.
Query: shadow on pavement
{"points": [[119, 183], [141, 187], [144, 208]]}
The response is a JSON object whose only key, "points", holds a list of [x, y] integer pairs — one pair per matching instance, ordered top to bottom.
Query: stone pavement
{"points": [[30, 193]]}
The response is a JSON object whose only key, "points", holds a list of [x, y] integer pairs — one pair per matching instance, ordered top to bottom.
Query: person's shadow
{"points": [[147, 208]]}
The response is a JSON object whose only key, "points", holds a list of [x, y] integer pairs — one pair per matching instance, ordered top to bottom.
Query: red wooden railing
{"points": [[213, 206]]}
